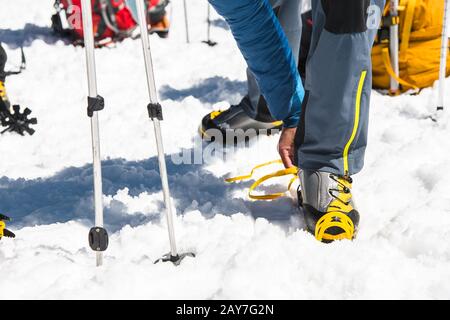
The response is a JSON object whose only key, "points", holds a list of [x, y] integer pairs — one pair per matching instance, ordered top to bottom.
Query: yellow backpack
{"points": [[420, 32]]}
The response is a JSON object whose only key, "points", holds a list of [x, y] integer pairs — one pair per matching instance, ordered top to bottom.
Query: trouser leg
{"points": [[289, 15], [267, 52], [3, 58], [332, 134]]}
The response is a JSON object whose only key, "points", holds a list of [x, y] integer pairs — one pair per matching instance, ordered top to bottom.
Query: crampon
{"points": [[16, 121]]}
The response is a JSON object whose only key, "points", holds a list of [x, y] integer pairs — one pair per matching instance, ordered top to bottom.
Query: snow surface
{"points": [[244, 249]]}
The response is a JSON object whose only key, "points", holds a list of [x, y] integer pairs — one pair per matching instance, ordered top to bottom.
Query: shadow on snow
{"points": [[26, 36], [210, 90], [68, 195]]}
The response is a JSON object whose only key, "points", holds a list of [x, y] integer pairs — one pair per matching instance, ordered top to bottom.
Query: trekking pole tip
{"points": [[210, 43], [176, 260]]}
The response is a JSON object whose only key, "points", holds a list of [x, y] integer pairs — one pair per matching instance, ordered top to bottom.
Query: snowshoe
{"points": [[235, 126], [328, 206], [3, 231]]}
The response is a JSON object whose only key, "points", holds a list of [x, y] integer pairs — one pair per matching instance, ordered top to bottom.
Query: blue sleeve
{"points": [[268, 55]]}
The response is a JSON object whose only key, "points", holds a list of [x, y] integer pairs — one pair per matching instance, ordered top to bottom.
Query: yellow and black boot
{"points": [[3, 95], [234, 125], [328, 205], [3, 231]]}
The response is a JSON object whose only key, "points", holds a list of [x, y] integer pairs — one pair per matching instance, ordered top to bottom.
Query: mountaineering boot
{"points": [[159, 21], [161, 28], [3, 95], [234, 123], [327, 202], [3, 231]]}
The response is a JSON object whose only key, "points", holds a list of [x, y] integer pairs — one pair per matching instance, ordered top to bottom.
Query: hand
{"points": [[286, 146]]}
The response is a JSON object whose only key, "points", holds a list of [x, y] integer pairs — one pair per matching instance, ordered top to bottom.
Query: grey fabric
{"points": [[289, 15], [335, 64], [316, 188]]}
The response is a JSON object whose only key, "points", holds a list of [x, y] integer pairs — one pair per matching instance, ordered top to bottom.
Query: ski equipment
{"points": [[208, 40], [443, 61], [155, 114], [3, 231], [98, 236]]}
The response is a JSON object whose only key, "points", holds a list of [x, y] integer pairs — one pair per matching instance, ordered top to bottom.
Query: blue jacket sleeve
{"points": [[268, 55]]}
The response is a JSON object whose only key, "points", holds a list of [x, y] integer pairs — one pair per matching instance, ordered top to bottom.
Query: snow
{"points": [[245, 249]]}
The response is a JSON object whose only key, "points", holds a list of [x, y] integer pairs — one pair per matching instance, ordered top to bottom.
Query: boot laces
{"points": [[341, 187]]}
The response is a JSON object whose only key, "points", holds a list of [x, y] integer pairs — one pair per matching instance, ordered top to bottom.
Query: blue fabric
{"points": [[267, 53]]}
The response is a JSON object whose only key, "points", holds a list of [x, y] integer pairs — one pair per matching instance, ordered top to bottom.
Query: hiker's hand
{"points": [[286, 146]]}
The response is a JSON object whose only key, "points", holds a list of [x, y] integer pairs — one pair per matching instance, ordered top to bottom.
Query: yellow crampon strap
{"points": [[285, 172], [334, 219]]}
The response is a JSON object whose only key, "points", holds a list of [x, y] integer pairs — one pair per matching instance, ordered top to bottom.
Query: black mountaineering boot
{"points": [[234, 125], [327, 202]]}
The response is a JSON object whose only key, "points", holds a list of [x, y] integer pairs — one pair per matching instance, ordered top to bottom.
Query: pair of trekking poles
{"points": [[208, 40], [98, 236]]}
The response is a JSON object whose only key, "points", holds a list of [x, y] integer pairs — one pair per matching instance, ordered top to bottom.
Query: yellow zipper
{"points": [[356, 123]]}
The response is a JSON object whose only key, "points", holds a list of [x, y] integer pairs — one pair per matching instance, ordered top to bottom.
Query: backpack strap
{"points": [[406, 29], [388, 65]]}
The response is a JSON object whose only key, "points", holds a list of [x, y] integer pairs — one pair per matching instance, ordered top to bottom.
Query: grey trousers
{"points": [[289, 15], [332, 133]]}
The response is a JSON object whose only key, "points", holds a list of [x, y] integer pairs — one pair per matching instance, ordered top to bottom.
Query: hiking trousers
{"points": [[289, 15], [266, 49], [333, 117], [332, 132]]}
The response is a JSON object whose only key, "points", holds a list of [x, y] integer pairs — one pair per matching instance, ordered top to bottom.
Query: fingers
{"points": [[286, 147], [287, 157]]}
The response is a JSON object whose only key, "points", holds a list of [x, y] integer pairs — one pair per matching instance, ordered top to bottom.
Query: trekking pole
{"points": [[186, 21], [209, 42], [394, 50], [443, 65], [155, 113], [98, 237]]}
